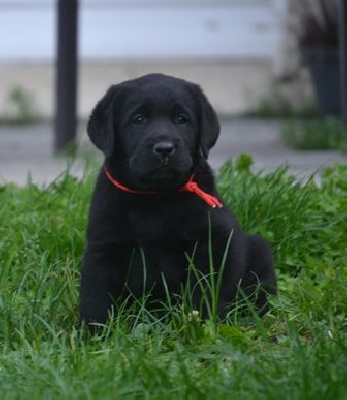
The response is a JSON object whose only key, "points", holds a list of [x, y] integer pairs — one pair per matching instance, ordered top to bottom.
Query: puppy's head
{"points": [[153, 130]]}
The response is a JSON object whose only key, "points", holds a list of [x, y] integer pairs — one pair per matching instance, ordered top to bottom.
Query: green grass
{"points": [[328, 133], [297, 351]]}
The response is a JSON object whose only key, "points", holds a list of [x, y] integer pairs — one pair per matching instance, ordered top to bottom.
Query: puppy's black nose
{"points": [[163, 149]]}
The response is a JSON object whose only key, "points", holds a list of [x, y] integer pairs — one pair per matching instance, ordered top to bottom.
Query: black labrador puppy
{"points": [[155, 208]]}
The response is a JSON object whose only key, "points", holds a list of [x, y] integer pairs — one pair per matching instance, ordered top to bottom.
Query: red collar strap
{"points": [[190, 186]]}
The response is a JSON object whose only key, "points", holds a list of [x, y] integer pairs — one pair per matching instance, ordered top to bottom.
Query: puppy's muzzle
{"points": [[164, 150]]}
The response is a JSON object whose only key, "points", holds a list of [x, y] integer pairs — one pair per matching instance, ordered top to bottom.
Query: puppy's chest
{"points": [[153, 225], [150, 266]]}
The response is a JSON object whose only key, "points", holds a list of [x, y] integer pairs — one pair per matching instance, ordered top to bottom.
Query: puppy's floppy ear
{"points": [[208, 122], [101, 125]]}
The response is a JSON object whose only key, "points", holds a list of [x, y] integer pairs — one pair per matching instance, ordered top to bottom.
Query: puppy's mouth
{"points": [[165, 161], [165, 166], [162, 174], [166, 175]]}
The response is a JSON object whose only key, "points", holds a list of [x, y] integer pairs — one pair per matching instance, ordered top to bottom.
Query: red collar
{"points": [[190, 186]]}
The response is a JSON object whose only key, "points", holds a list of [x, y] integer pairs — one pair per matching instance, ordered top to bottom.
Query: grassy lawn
{"points": [[327, 133], [297, 351]]}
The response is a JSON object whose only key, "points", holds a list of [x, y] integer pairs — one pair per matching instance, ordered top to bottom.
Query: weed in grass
{"points": [[296, 351]]}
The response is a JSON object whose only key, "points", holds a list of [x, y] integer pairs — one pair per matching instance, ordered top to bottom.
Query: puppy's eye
{"points": [[139, 119], [181, 119]]}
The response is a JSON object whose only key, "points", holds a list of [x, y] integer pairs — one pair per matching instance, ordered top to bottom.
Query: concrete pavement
{"points": [[28, 150]]}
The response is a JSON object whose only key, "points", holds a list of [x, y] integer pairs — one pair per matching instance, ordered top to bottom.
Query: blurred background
{"points": [[231, 47], [246, 54]]}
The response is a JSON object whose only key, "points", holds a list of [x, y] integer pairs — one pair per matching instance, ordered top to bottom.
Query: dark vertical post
{"points": [[343, 57], [66, 74]]}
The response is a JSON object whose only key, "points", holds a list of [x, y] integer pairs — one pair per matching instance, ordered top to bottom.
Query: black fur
{"points": [[155, 131]]}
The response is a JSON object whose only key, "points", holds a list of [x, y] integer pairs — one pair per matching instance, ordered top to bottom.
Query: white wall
{"points": [[118, 29]]}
